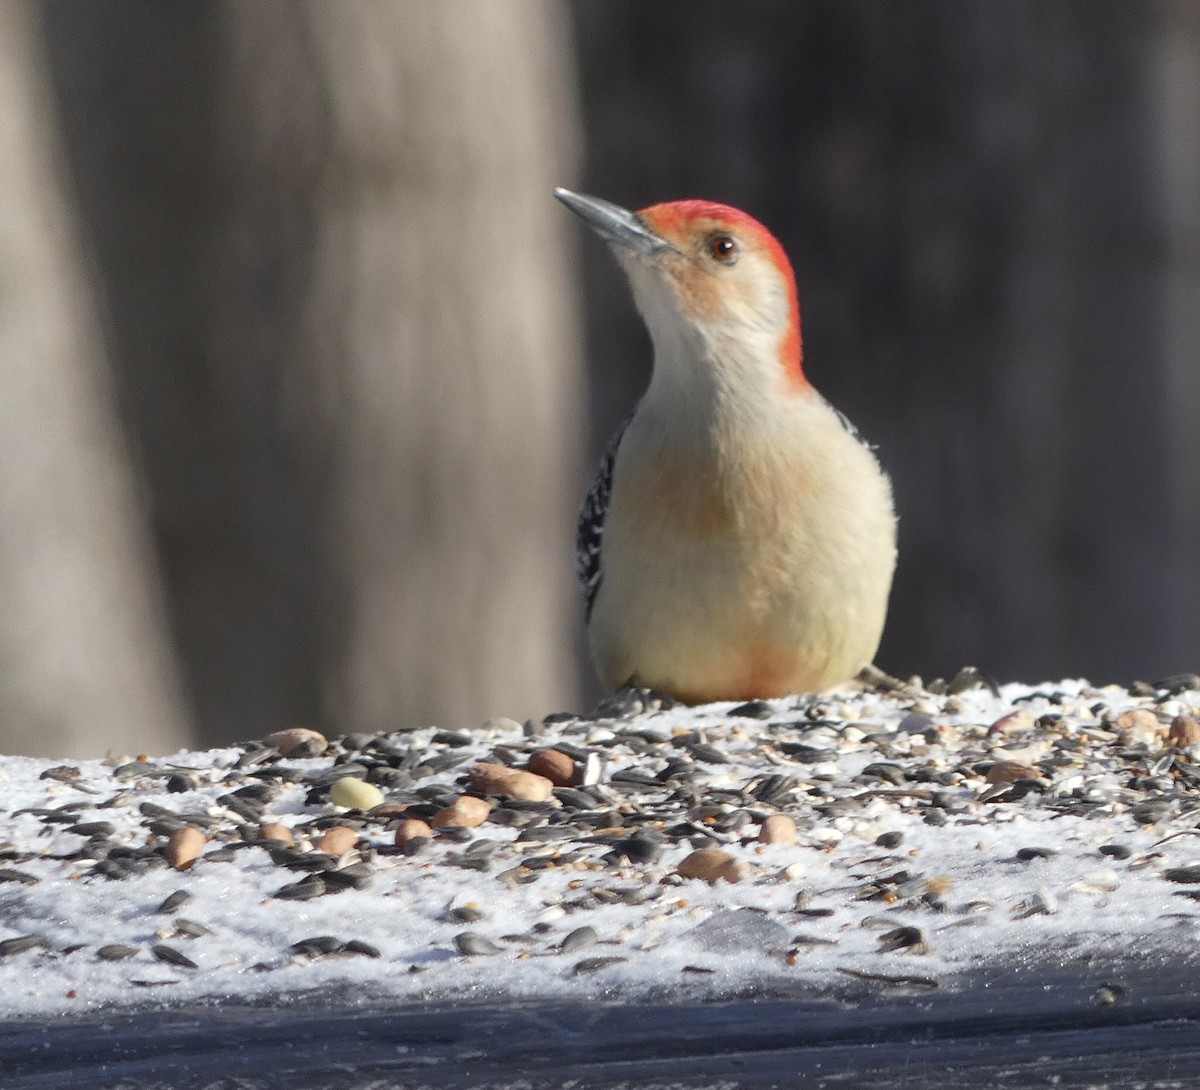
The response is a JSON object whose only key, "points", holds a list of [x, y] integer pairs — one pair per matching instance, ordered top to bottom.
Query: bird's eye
{"points": [[723, 249]]}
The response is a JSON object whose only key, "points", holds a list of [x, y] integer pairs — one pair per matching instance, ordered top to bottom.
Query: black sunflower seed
{"points": [[752, 709], [702, 751], [93, 828], [355, 876], [304, 890], [174, 901], [579, 939], [21, 943], [473, 944], [318, 946], [357, 946], [115, 952], [172, 956], [591, 965]]}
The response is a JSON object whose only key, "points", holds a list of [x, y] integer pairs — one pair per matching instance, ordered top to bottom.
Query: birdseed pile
{"points": [[896, 835]]}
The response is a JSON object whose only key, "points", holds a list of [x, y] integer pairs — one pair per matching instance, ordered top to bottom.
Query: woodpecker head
{"points": [[711, 282]]}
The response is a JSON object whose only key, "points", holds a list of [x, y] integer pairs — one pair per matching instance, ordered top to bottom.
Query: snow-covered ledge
{"points": [[893, 840]]}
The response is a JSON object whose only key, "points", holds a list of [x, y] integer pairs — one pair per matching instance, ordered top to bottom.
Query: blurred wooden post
{"points": [[345, 324], [85, 657]]}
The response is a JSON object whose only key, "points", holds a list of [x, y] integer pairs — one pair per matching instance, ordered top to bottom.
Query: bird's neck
{"points": [[706, 388]]}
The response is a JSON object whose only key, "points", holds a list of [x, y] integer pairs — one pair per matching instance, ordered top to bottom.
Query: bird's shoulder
{"points": [[848, 425]]}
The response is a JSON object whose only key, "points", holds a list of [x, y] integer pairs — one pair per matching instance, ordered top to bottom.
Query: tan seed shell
{"points": [[1021, 719], [1139, 725], [1185, 731], [287, 740], [554, 765], [1011, 771], [496, 779], [466, 811], [411, 829], [778, 829], [275, 830], [337, 840], [185, 847], [712, 865]]}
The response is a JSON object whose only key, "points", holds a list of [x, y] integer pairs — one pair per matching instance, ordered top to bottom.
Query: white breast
{"points": [[743, 562]]}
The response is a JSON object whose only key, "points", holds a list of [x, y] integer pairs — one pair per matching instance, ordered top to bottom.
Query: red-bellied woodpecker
{"points": [[739, 539]]}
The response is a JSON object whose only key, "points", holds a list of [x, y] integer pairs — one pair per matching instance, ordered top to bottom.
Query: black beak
{"points": [[615, 224]]}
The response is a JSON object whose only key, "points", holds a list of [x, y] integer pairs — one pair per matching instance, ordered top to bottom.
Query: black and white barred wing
{"points": [[589, 536]]}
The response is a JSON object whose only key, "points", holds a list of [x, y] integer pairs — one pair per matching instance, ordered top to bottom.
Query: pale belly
{"points": [[751, 592]]}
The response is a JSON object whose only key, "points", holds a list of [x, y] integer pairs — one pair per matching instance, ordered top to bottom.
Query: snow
{"points": [[996, 908]]}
